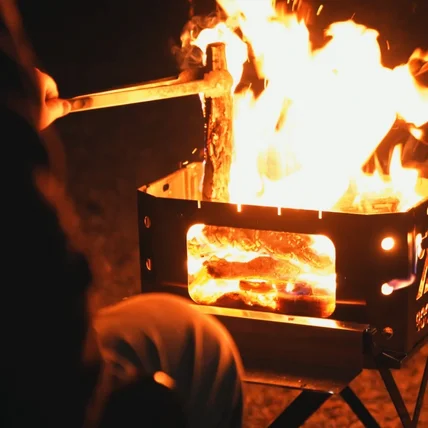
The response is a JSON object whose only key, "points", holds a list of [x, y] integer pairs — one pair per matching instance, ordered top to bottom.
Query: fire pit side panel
{"points": [[162, 241], [362, 266]]}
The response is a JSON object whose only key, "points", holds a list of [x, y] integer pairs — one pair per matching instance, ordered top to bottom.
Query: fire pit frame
{"points": [[382, 336], [331, 373], [308, 401]]}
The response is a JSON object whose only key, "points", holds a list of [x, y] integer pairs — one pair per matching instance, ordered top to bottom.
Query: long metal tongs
{"points": [[213, 84]]}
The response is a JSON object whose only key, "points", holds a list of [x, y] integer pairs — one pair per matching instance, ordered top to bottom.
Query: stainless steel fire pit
{"points": [[375, 317]]}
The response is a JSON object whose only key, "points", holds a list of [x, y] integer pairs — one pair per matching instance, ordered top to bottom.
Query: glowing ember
{"points": [[302, 139], [277, 270]]}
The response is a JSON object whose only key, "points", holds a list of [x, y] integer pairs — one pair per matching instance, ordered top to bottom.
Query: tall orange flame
{"points": [[303, 141]]}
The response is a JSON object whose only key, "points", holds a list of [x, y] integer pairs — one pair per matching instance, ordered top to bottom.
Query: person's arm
{"points": [[51, 106]]}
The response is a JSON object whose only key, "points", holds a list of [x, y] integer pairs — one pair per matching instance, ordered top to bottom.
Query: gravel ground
{"points": [[112, 152]]}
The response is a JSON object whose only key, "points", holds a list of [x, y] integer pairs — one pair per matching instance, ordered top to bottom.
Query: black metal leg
{"points": [[421, 396], [396, 397], [358, 408], [301, 409]]}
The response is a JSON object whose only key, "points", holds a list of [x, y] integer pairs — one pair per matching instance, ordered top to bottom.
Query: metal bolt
{"points": [[147, 221], [149, 264], [388, 332]]}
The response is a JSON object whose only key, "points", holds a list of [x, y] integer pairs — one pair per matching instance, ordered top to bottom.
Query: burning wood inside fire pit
{"points": [[288, 272]]}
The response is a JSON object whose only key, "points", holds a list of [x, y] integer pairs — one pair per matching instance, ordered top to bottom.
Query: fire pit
{"points": [[291, 232], [251, 257], [377, 306]]}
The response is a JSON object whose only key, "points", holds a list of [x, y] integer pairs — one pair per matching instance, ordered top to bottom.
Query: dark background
{"points": [[94, 45]]}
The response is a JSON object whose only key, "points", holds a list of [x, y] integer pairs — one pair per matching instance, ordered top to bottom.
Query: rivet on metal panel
{"points": [[147, 221], [388, 243], [149, 264], [386, 289], [388, 332]]}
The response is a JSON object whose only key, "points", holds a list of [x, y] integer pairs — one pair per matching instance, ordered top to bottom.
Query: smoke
{"points": [[187, 55]]}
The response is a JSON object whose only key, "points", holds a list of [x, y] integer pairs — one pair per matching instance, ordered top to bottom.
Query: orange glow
{"points": [[388, 243], [386, 289], [164, 379]]}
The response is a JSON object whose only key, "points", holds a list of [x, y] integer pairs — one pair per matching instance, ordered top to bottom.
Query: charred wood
{"points": [[218, 134], [278, 245]]}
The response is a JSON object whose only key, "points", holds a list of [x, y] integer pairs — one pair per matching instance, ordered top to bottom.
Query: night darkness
{"points": [[88, 45]]}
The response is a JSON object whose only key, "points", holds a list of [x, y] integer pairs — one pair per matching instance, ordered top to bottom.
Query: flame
{"points": [[304, 140], [262, 268]]}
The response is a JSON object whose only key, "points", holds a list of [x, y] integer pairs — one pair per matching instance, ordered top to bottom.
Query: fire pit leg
{"points": [[421, 396], [397, 398], [309, 401], [301, 409], [359, 409]]}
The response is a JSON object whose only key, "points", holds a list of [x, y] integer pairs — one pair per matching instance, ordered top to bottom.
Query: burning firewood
{"points": [[218, 134], [281, 245], [265, 268], [268, 269], [262, 274], [261, 283], [306, 306]]}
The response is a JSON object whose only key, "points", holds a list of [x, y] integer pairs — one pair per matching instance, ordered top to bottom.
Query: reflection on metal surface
{"points": [[181, 184], [423, 286], [278, 318]]}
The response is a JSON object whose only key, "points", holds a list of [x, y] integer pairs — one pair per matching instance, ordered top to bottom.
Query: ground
{"points": [[111, 152]]}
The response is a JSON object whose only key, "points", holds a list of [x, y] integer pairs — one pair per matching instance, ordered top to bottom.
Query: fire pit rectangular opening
{"points": [[292, 273]]}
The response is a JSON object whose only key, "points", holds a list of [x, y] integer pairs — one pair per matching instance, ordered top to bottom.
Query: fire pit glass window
{"points": [[291, 273]]}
